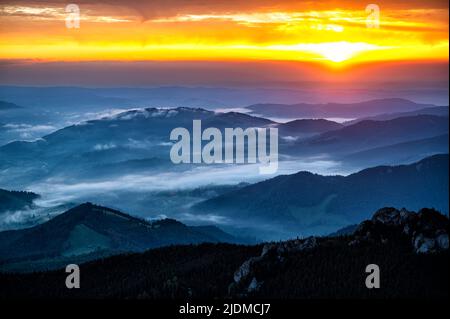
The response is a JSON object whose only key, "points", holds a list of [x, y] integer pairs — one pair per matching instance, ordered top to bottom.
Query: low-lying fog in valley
{"points": [[118, 157]]}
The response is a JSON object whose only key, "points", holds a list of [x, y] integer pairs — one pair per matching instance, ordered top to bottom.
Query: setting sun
{"points": [[333, 51], [342, 51]]}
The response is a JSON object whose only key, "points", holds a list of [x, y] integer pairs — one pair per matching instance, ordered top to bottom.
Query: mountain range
{"points": [[66, 99], [337, 110], [436, 110], [307, 127], [135, 134], [371, 134], [139, 139], [129, 146], [405, 152], [306, 203], [222, 231], [88, 232], [403, 244]]}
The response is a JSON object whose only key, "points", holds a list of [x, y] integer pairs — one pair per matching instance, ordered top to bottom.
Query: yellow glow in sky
{"points": [[327, 34]]}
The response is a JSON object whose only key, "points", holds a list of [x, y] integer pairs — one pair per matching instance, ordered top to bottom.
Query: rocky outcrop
{"points": [[426, 230], [279, 249], [245, 269], [245, 280], [254, 285]]}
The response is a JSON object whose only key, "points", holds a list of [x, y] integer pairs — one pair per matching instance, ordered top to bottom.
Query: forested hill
{"points": [[411, 250]]}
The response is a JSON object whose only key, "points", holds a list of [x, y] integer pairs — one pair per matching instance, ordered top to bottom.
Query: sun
{"points": [[340, 51], [332, 52]]}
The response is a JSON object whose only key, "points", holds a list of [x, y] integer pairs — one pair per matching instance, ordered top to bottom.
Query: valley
{"points": [[330, 175]]}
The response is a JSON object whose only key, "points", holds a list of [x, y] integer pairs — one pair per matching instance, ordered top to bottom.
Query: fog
{"points": [[132, 193]]}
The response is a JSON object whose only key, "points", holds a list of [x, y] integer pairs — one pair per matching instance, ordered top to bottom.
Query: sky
{"points": [[315, 40]]}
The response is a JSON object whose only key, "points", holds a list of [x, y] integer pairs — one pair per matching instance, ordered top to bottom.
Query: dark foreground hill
{"points": [[88, 232], [411, 250]]}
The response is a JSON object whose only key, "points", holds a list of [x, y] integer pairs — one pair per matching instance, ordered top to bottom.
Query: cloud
{"points": [[160, 8], [54, 11], [250, 11], [224, 30], [29, 128], [28, 132], [289, 138], [138, 144], [104, 147], [60, 189], [26, 217], [204, 218]]}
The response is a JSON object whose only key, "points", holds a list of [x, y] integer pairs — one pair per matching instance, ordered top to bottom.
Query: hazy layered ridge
{"points": [[45, 109], [338, 110], [370, 134], [144, 135], [122, 160], [306, 203], [289, 205]]}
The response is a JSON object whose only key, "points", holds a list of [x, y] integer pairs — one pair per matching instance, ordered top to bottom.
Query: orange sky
{"points": [[330, 32]]}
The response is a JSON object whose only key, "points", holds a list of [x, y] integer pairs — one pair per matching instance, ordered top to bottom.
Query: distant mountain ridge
{"points": [[67, 98], [8, 106], [329, 110], [437, 111], [307, 127], [144, 134], [370, 134], [128, 136], [135, 144], [405, 152], [15, 200], [313, 204]]}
